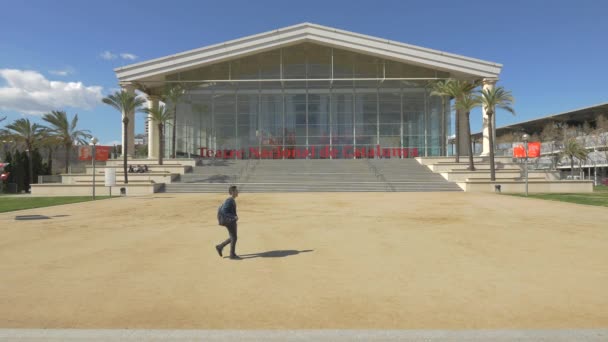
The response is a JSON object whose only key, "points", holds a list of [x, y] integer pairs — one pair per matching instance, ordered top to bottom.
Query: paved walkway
{"points": [[26, 335]]}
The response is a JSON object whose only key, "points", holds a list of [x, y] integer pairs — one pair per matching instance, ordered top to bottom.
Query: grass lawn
{"points": [[599, 197], [10, 203]]}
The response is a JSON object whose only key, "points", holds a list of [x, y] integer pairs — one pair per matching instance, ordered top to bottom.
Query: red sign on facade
{"points": [[323, 152], [102, 153]]}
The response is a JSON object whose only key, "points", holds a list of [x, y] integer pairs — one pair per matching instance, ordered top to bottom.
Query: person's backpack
{"points": [[220, 215], [222, 218]]}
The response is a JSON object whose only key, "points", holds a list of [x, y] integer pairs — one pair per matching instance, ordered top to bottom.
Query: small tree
{"points": [[441, 89], [172, 94], [491, 99], [125, 103], [466, 103], [159, 116], [65, 133], [553, 134], [29, 135], [573, 149]]}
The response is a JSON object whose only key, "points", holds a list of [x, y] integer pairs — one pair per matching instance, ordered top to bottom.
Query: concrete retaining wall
{"points": [[534, 186], [87, 189]]}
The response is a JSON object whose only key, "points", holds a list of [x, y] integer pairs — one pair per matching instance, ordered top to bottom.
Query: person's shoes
{"points": [[219, 250], [235, 257]]}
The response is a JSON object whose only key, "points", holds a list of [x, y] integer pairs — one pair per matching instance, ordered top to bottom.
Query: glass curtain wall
{"points": [[305, 99]]}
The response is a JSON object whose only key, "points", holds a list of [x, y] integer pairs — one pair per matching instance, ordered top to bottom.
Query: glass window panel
{"points": [[390, 129]]}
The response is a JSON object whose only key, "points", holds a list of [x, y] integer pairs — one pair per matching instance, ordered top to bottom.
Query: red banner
{"points": [[534, 149], [519, 152], [102, 153]]}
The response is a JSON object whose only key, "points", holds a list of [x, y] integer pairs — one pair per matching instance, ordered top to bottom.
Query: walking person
{"points": [[229, 218]]}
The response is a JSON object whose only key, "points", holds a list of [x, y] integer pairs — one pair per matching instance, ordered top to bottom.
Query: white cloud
{"points": [[107, 55], [128, 56], [60, 72], [29, 92]]}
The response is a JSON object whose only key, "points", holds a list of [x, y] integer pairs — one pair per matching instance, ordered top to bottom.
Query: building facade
{"points": [[306, 91]]}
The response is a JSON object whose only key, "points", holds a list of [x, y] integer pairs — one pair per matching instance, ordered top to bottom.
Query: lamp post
{"points": [[525, 139], [93, 142]]}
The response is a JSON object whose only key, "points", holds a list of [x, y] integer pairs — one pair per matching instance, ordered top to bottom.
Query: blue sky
{"points": [[553, 53]]}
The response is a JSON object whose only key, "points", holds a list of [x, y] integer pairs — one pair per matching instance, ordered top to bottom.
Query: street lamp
{"points": [[525, 138], [94, 142]]}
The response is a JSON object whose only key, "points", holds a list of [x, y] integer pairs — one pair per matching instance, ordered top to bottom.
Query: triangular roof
{"points": [[307, 32]]}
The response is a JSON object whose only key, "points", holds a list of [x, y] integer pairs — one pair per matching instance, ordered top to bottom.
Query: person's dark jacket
{"points": [[230, 207]]}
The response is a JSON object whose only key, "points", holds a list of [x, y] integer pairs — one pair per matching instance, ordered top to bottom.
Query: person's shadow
{"points": [[274, 254]]}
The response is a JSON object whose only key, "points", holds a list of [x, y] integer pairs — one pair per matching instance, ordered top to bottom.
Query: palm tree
{"points": [[442, 89], [173, 93], [491, 99], [125, 103], [466, 103], [159, 115], [65, 133], [29, 134], [573, 149]]}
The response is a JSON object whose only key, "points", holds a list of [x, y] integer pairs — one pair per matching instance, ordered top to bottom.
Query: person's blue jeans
{"points": [[232, 240]]}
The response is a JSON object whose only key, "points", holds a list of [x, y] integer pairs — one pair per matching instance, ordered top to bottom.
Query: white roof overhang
{"points": [[306, 32]]}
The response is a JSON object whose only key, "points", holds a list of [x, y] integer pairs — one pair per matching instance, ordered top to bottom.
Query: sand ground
{"points": [[311, 261]]}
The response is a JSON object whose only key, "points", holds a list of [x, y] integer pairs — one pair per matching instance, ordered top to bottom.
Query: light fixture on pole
{"points": [[525, 138], [93, 142]]}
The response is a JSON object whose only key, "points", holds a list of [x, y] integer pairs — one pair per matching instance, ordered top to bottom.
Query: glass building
{"points": [[306, 91]]}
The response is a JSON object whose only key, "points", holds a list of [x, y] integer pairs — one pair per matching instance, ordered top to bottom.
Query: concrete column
{"points": [[488, 84], [131, 131], [153, 138]]}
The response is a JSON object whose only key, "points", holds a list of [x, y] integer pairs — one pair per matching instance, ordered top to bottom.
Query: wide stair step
{"points": [[296, 175]]}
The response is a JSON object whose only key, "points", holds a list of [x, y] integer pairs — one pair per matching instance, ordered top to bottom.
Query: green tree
{"points": [[443, 89], [172, 94], [491, 99], [125, 103], [466, 103], [159, 116], [64, 132], [29, 135], [573, 149]]}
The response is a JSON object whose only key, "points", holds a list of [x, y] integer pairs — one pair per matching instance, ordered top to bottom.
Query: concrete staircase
{"points": [[316, 175]]}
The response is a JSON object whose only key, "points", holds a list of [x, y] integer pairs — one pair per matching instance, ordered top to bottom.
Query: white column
{"points": [[488, 84], [131, 129], [153, 138]]}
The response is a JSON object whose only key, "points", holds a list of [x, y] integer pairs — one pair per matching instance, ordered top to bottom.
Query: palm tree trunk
{"points": [[125, 123], [457, 137], [173, 138], [491, 138], [468, 139], [160, 144], [67, 158], [50, 162], [572, 166], [31, 167]]}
